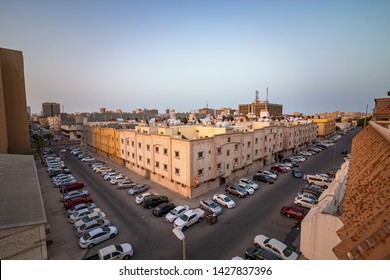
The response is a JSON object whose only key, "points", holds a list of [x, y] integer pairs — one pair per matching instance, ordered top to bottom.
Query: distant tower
{"points": [[257, 96], [266, 100], [207, 105]]}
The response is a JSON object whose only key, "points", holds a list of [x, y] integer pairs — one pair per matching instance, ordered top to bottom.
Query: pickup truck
{"points": [[189, 218]]}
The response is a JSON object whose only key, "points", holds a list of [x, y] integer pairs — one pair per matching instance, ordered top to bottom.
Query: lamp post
{"points": [[62, 179], [180, 235]]}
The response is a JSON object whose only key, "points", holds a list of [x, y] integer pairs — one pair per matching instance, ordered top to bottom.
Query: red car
{"points": [[278, 169], [72, 187], [77, 200], [293, 211]]}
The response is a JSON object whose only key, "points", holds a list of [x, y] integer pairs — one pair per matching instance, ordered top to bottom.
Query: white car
{"points": [[306, 153], [299, 158], [88, 159], [283, 166], [268, 173], [110, 175], [118, 179], [250, 183], [248, 188], [73, 194], [308, 195], [140, 198], [224, 200], [305, 202], [80, 207], [82, 213], [176, 213], [88, 218], [84, 228], [96, 236], [275, 246], [116, 252]]}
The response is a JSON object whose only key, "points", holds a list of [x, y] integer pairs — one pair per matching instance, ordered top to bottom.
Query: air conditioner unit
{"points": [[221, 171]]}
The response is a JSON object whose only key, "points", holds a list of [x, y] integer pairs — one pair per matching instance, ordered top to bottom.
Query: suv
{"points": [[263, 178], [236, 190], [154, 200], [163, 209], [113, 252]]}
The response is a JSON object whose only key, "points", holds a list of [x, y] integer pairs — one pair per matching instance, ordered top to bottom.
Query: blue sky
{"points": [[315, 56]]}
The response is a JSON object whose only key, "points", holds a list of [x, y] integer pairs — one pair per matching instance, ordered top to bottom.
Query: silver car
{"points": [[73, 194], [210, 206], [84, 228]]}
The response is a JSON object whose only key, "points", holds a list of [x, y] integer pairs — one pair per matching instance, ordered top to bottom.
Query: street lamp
{"points": [[62, 178], [180, 235]]}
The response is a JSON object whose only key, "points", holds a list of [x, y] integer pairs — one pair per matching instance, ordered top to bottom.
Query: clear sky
{"points": [[315, 56]]}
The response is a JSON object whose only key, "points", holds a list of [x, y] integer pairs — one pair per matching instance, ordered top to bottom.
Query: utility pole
{"points": [[365, 119]]}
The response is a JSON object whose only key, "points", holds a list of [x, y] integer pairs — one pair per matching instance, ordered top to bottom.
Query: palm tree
{"points": [[39, 142]]}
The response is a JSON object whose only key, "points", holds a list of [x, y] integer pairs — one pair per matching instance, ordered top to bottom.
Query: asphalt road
{"points": [[152, 238]]}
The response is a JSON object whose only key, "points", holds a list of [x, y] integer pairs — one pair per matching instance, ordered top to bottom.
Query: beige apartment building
{"points": [[325, 127], [14, 128], [191, 160]]}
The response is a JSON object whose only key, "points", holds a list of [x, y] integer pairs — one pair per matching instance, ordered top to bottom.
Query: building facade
{"points": [[50, 109], [14, 126], [325, 127]]}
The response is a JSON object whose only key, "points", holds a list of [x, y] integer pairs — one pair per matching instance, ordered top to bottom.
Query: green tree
{"points": [[360, 122], [39, 143]]}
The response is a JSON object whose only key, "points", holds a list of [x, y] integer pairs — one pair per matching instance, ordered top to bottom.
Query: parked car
{"points": [[306, 153], [87, 159], [279, 169], [268, 173], [296, 173], [110, 175], [263, 178], [118, 179], [249, 182], [126, 184], [72, 187], [139, 188], [248, 188], [236, 190], [310, 190], [73, 194], [308, 195], [140, 198], [77, 200], [154, 200], [224, 200], [305, 202], [210, 206], [80, 207], [163, 209], [293, 211], [82, 213], [176, 213], [88, 218], [189, 218], [86, 227], [97, 235], [275, 246], [116, 252], [254, 253]]}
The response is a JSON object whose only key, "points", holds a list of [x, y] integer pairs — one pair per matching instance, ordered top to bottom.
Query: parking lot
{"points": [[152, 237]]}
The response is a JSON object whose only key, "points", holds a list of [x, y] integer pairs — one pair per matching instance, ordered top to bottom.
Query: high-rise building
{"points": [[259, 107], [51, 109], [14, 130]]}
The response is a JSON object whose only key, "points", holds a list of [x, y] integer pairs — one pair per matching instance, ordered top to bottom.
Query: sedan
{"points": [[88, 159], [268, 173], [296, 173], [263, 178], [118, 179], [126, 184], [72, 187], [248, 188], [138, 189], [236, 190], [73, 194], [140, 198], [77, 200], [224, 200], [305, 202], [210, 206], [80, 207], [163, 208], [293, 211], [82, 213], [176, 213], [85, 228], [97, 235], [275, 246], [253, 253]]}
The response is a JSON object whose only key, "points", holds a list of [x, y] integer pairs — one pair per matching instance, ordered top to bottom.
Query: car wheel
{"points": [[299, 204], [288, 215], [199, 220], [184, 228], [112, 235], [91, 245], [257, 245], [127, 257]]}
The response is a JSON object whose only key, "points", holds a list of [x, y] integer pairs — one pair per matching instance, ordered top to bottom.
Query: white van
{"points": [[318, 180]]}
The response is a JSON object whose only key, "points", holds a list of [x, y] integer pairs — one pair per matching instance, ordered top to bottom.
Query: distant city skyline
{"points": [[313, 56]]}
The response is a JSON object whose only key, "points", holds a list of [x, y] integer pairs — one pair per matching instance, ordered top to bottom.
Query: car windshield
{"points": [[250, 182], [239, 188], [227, 199], [213, 205], [173, 212], [184, 218], [119, 248]]}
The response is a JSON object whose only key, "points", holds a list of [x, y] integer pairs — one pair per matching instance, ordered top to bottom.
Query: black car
{"points": [[56, 172], [296, 173], [263, 178], [236, 190], [154, 200], [163, 209], [254, 253]]}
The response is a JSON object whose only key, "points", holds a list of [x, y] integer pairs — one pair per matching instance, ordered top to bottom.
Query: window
{"points": [[228, 139], [256, 140], [122, 141], [127, 142], [132, 143], [249, 144], [139, 145], [148, 147], [236, 147], [157, 150], [165, 151], [219, 151], [123, 152], [228, 152], [256, 152], [128, 154], [177, 154], [132, 155], [200, 155], [248, 157], [140, 158], [235, 160], [148, 161], [157, 164], [219, 165], [227, 166], [165, 167], [177, 171], [200, 172]]}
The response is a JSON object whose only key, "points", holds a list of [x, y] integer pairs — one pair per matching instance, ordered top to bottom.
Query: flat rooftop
{"points": [[21, 202]]}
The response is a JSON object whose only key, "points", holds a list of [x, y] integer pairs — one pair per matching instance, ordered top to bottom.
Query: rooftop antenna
{"points": [[257, 96], [266, 100], [207, 105]]}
